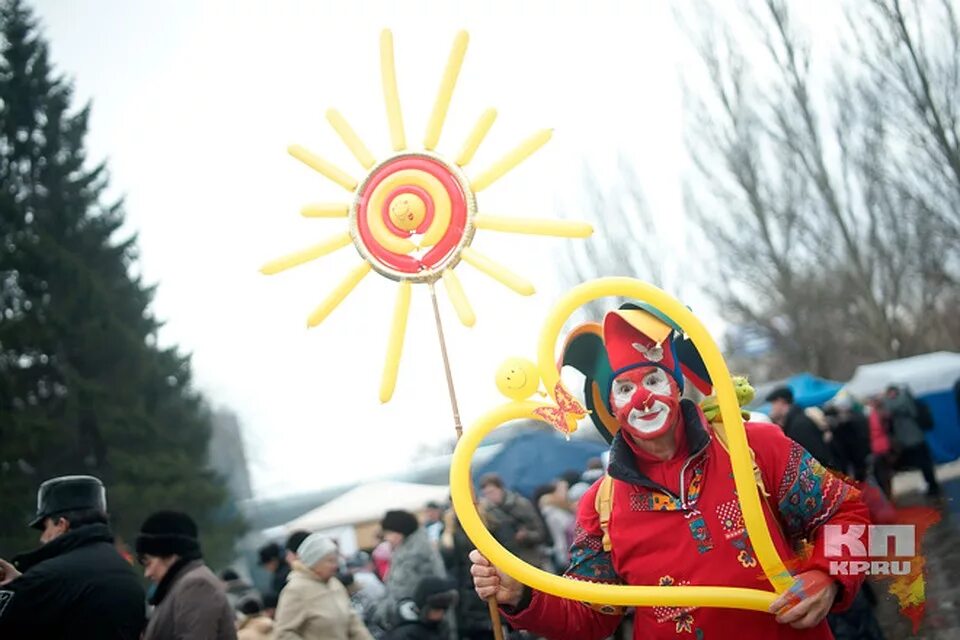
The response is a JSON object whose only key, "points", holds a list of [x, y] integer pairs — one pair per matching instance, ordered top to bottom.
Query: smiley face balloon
{"points": [[518, 378]]}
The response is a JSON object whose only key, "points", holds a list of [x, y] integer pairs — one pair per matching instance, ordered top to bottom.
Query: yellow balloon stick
{"points": [[447, 83], [390, 94], [477, 134], [350, 138], [523, 151], [320, 165], [325, 210], [562, 228], [306, 255], [497, 272], [337, 295], [458, 298], [395, 345]]}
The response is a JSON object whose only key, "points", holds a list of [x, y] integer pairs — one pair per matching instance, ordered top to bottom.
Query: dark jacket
{"points": [[804, 431], [279, 580], [76, 586], [194, 607], [472, 614], [417, 631]]}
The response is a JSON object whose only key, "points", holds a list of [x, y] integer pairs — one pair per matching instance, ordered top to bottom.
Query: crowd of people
{"points": [[863, 442], [421, 582]]}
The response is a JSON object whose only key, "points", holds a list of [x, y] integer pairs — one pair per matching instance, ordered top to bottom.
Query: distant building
{"points": [[227, 456]]}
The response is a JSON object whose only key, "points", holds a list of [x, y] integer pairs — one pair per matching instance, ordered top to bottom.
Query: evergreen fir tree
{"points": [[84, 388]]}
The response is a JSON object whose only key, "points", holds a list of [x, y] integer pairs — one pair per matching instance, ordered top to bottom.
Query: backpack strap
{"points": [[604, 505]]}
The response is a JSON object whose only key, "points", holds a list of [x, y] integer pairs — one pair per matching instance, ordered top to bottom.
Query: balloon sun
{"points": [[413, 216]]}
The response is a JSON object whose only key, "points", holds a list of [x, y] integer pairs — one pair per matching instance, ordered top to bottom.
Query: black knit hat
{"points": [[781, 393], [400, 521], [168, 533]]}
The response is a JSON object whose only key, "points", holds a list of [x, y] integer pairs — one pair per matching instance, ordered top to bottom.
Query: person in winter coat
{"points": [[798, 426], [851, 437], [911, 445], [667, 512], [512, 520], [559, 520], [413, 559], [272, 560], [76, 585], [368, 589], [190, 601], [315, 605], [471, 613], [422, 617], [254, 623]]}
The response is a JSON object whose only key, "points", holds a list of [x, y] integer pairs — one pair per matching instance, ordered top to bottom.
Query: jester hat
{"points": [[635, 335]]}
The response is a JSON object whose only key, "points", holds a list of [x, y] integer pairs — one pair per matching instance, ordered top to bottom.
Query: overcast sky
{"points": [[194, 104]]}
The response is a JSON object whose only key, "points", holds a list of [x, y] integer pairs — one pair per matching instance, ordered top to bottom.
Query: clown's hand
{"points": [[489, 581], [807, 601]]}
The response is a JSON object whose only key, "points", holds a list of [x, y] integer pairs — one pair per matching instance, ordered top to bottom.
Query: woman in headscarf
{"points": [[315, 605]]}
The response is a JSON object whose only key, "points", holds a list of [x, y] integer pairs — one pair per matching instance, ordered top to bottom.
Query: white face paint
{"points": [[623, 391], [648, 419]]}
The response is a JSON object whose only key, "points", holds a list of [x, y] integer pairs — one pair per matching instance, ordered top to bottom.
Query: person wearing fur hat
{"points": [[666, 513], [413, 558], [75, 585], [190, 601], [315, 605], [421, 617]]}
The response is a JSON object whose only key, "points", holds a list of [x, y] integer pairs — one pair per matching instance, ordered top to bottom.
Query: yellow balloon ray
{"points": [[447, 83], [391, 96], [477, 134], [350, 138], [523, 151], [320, 165], [407, 177], [325, 210], [561, 228], [306, 255], [497, 272], [630, 288], [337, 295], [458, 298], [395, 345], [617, 595]]}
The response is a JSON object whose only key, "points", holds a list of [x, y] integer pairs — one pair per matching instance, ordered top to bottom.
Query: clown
{"points": [[667, 511]]}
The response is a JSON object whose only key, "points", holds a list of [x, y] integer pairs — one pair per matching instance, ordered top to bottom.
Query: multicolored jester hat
{"points": [[413, 216]]}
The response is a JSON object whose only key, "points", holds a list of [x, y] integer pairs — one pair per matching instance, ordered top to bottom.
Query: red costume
{"points": [[678, 521]]}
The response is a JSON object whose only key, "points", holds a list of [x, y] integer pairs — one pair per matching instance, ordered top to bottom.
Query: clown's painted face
{"points": [[646, 402]]}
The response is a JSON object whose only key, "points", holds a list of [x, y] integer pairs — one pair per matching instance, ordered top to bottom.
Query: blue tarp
{"points": [[808, 391], [944, 439], [537, 458]]}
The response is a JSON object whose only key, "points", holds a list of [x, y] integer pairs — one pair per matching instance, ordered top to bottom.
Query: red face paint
{"points": [[646, 402]]}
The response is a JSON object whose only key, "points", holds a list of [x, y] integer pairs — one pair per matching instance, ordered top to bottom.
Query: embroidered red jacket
{"points": [[693, 533]]}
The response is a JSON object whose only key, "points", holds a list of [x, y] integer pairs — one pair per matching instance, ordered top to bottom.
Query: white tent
{"points": [[929, 373], [367, 503]]}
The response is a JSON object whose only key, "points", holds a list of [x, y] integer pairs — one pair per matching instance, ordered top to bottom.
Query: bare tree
{"points": [[805, 189], [631, 243]]}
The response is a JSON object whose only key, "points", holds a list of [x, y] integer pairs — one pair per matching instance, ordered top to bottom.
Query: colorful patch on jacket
{"points": [[809, 494], [735, 531], [588, 560], [681, 617]]}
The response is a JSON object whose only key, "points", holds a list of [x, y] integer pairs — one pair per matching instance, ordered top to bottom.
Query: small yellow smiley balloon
{"points": [[407, 211], [518, 378]]}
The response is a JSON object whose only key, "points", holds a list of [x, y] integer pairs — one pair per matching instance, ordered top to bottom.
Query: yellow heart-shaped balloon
{"points": [[461, 487]]}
